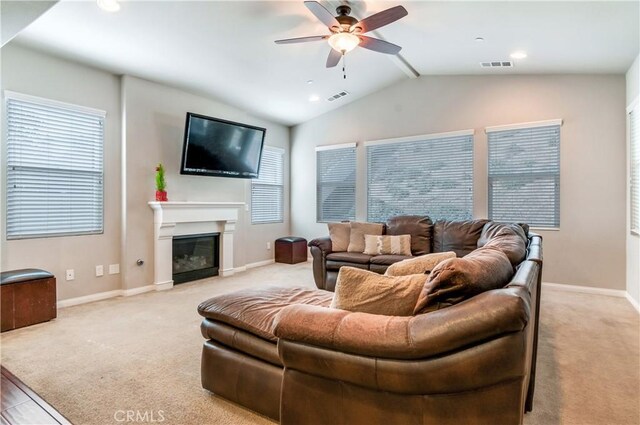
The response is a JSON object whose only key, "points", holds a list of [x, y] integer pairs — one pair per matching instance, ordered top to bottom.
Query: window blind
{"points": [[634, 138], [54, 168], [430, 175], [524, 175], [336, 183], [267, 191]]}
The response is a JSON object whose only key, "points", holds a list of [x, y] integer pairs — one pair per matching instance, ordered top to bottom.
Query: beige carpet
{"points": [[142, 353]]}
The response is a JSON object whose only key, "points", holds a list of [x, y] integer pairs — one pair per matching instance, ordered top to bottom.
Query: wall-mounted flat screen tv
{"points": [[215, 147]]}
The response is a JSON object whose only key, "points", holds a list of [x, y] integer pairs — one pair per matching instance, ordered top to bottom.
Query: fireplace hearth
{"points": [[195, 257]]}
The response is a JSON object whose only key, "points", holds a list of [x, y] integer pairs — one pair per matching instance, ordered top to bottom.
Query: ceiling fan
{"points": [[347, 32]]}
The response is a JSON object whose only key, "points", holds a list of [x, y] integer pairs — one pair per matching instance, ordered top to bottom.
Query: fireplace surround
{"points": [[174, 219]]}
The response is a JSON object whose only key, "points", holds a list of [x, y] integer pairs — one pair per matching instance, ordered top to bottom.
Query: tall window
{"points": [[634, 138], [54, 168], [524, 173], [430, 175], [336, 182], [267, 191]]}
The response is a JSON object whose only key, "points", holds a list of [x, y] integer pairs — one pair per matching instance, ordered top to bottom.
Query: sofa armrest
{"points": [[324, 244], [320, 248], [484, 317]]}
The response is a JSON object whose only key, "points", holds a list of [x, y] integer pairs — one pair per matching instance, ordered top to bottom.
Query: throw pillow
{"points": [[358, 230], [339, 234], [387, 245], [422, 264], [458, 279], [369, 292]]}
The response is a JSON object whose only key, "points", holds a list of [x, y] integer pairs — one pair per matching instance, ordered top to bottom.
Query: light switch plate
{"points": [[114, 268], [99, 270]]}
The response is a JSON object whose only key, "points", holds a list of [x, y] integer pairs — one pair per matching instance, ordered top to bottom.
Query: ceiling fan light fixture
{"points": [[109, 5], [344, 42]]}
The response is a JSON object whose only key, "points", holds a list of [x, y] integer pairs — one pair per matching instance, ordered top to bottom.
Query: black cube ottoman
{"points": [[291, 250]]}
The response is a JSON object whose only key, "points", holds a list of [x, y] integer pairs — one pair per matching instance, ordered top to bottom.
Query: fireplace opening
{"points": [[195, 257]]}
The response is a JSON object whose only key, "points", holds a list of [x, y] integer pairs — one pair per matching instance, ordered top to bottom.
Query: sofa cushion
{"points": [[419, 227], [358, 230], [339, 233], [460, 237], [509, 238], [387, 245], [349, 257], [388, 259], [422, 264], [337, 265], [378, 268], [455, 280], [368, 292], [256, 310]]}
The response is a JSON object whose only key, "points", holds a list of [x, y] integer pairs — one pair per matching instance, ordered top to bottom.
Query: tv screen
{"points": [[215, 147]]}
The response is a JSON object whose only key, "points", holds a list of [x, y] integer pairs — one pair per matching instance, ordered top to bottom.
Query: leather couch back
{"points": [[419, 227], [460, 237]]}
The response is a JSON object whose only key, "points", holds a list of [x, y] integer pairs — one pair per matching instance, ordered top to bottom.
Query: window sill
{"points": [[547, 229]]}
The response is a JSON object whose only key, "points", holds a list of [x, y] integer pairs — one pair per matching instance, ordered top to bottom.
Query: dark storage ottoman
{"points": [[291, 250], [28, 297]]}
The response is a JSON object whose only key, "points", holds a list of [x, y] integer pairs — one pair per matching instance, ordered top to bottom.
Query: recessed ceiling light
{"points": [[109, 5], [479, 39], [519, 54], [309, 81], [314, 98]]}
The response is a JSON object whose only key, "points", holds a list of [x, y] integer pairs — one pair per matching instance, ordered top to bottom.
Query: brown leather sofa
{"points": [[426, 237], [283, 353]]}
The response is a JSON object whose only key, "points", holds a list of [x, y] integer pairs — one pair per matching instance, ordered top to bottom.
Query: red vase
{"points": [[161, 195]]}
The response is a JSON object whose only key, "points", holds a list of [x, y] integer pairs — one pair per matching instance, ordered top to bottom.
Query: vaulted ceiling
{"points": [[225, 49]]}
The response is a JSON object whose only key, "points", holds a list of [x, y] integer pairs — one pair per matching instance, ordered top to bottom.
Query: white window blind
{"points": [[634, 138], [54, 168], [430, 175], [524, 175], [336, 183], [267, 191]]}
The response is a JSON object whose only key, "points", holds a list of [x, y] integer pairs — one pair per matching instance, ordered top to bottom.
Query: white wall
{"points": [[36, 74], [155, 116], [633, 241], [589, 248]]}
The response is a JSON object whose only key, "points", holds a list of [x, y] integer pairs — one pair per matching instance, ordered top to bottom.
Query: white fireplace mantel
{"points": [[190, 218]]}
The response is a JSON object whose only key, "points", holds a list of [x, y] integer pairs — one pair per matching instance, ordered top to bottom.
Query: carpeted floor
{"points": [[142, 353]]}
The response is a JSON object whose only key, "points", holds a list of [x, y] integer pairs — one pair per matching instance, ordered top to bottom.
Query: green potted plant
{"points": [[161, 184]]}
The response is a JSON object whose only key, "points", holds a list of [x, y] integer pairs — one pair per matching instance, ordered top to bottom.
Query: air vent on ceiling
{"points": [[497, 64], [338, 96]]}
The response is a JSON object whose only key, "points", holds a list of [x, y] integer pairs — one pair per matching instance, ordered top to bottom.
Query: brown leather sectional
{"points": [[283, 353]]}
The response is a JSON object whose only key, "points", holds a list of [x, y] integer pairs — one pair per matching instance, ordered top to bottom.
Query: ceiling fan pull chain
{"points": [[344, 66]]}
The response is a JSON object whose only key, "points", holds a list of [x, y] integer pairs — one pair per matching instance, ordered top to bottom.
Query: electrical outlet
{"points": [[268, 245], [114, 268], [99, 270], [71, 274]]}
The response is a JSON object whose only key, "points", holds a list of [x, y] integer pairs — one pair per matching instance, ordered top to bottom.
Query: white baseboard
{"points": [[260, 263], [586, 289], [140, 290], [620, 293], [104, 295], [89, 298], [633, 302]]}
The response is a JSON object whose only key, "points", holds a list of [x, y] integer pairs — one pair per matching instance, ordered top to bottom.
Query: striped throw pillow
{"points": [[387, 245]]}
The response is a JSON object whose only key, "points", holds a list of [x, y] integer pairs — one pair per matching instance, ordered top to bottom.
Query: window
{"points": [[634, 139], [54, 168], [524, 173], [426, 175], [336, 182], [267, 191]]}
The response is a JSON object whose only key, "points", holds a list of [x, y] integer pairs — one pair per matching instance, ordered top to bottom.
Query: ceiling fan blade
{"points": [[323, 14], [379, 19], [302, 39], [379, 45], [334, 58]]}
